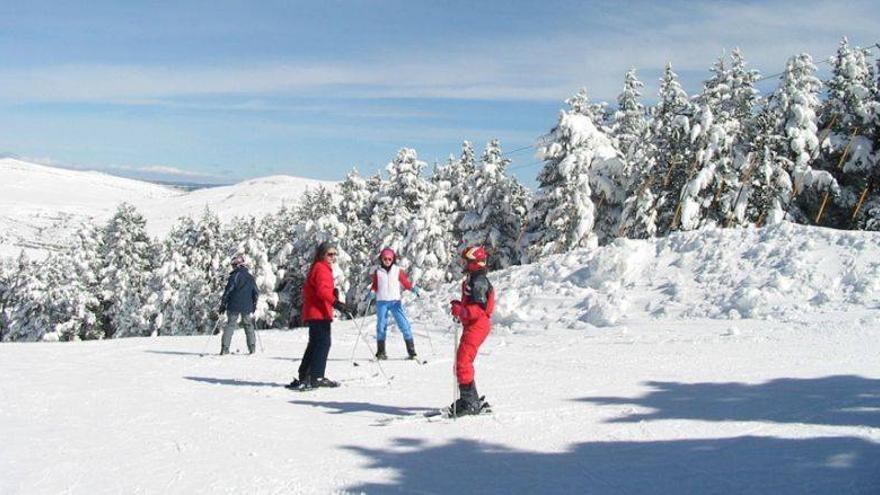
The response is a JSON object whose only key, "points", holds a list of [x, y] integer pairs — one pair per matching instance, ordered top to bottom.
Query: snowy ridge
{"points": [[256, 197], [41, 206], [778, 272]]}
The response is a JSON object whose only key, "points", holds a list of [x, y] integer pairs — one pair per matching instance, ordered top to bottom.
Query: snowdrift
{"points": [[774, 273]]}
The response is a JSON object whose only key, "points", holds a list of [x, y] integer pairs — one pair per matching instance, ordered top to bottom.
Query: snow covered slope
{"points": [[40, 206], [624, 370]]}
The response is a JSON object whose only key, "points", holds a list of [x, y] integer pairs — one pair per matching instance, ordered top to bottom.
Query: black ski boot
{"points": [[411, 349], [380, 350], [224, 351], [324, 382], [298, 383], [469, 403]]}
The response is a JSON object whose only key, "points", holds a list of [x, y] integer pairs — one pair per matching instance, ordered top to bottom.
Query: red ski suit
{"points": [[474, 312]]}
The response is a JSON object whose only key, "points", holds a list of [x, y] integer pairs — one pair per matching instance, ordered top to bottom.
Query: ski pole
{"points": [[360, 327], [210, 335], [260, 340], [430, 341], [376, 360], [456, 393]]}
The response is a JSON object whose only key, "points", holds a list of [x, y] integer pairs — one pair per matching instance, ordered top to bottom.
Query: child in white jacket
{"points": [[389, 281]]}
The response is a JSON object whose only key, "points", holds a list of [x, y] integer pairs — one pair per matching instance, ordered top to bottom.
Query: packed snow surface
{"points": [[41, 206], [728, 362]]}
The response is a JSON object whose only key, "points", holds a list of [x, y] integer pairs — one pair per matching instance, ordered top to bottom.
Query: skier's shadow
{"points": [[177, 353], [229, 381], [843, 400], [358, 407]]}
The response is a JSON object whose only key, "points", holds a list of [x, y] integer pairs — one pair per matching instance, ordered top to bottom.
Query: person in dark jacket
{"points": [[319, 299], [239, 302]]}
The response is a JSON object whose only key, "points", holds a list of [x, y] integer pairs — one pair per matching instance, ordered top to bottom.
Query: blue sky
{"points": [[219, 91]]}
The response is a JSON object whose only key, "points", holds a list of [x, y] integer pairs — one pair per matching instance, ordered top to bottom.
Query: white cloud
{"points": [[166, 170]]}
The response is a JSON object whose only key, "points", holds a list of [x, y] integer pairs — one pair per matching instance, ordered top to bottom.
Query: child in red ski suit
{"points": [[474, 311]]}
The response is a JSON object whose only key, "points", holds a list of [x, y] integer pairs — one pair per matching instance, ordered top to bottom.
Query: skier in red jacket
{"points": [[319, 299], [474, 311]]}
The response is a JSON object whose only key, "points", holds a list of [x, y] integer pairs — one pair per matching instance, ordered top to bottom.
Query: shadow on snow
{"points": [[229, 381], [845, 400], [356, 407], [747, 464], [716, 466]]}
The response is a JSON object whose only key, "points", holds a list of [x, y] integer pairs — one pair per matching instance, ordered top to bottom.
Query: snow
{"points": [[41, 206], [711, 361]]}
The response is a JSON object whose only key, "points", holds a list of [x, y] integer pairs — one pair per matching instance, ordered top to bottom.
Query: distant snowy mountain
{"points": [[252, 197], [40, 205]]}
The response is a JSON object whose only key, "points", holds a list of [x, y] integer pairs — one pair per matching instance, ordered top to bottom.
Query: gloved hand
{"points": [[416, 291], [370, 296], [343, 308], [458, 310]]}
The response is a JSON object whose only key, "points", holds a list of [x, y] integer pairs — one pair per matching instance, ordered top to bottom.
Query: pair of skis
{"points": [[448, 413]]}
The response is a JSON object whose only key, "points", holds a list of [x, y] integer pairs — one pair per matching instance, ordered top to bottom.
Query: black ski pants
{"points": [[314, 360]]}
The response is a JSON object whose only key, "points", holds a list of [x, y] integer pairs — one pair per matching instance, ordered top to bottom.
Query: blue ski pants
{"points": [[396, 310]]}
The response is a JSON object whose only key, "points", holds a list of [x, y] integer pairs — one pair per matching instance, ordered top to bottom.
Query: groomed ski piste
{"points": [[710, 362]]}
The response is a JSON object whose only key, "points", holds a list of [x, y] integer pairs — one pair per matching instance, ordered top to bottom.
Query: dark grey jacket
{"points": [[241, 292]]}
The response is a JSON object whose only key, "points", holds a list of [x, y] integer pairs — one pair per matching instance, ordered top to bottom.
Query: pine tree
{"points": [[795, 103], [597, 112], [849, 114], [630, 120], [743, 126], [721, 154], [457, 178], [768, 188], [402, 196], [708, 196], [653, 207], [354, 212], [563, 214], [868, 216], [496, 222], [429, 245], [128, 257], [74, 287], [186, 289], [5, 297], [28, 315]]}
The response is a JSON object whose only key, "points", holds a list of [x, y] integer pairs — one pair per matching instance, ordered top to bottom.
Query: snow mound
{"points": [[775, 273]]}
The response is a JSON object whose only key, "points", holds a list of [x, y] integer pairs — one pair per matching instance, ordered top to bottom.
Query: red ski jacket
{"points": [[318, 295], [477, 301]]}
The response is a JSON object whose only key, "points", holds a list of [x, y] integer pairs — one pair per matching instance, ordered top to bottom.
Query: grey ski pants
{"points": [[231, 324]]}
